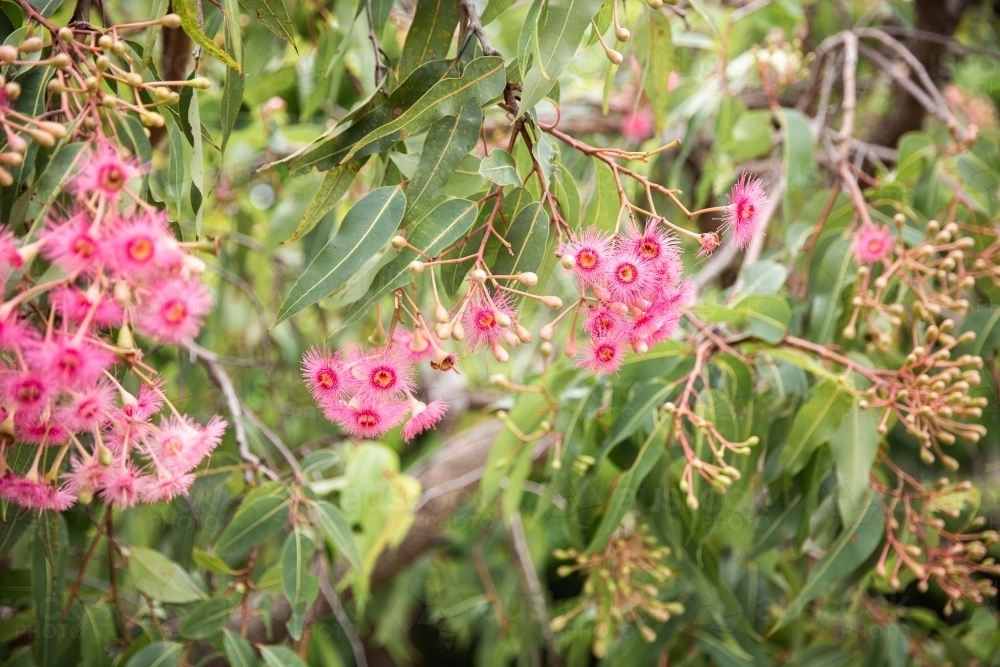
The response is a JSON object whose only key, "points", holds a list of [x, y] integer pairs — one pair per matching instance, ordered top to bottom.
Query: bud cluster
{"points": [[67, 343], [917, 539], [624, 584]]}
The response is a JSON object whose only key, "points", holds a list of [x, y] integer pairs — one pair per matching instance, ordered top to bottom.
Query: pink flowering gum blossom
{"points": [[745, 212], [873, 243], [62, 390]]}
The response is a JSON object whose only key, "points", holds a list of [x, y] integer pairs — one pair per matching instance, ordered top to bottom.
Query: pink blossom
{"points": [[638, 125], [106, 172], [745, 211], [873, 243], [73, 246], [659, 247], [143, 248], [590, 251], [9, 257], [630, 278], [73, 305], [175, 311], [482, 320], [604, 322], [14, 334], [415, 342], [603, 357], [69, 363], [323, 372], [381, 374], [27, 391], [145, 404], [87, 410], [424, 416], [365, 419], [39, 429], [174, 446], [86, 474], [121, 484], [164, 486], [35, 494]]}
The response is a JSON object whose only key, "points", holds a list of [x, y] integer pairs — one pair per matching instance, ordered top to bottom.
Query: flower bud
{"points": [[171, 21], [65, 34], [622, 34], [105, 41], [32, 45], [118, 48], [8, 54], [615, 57], [61, 60], [103, 63], [200, 82], [13, 89], [151, 119], [57, 130], [40, 137], [6, 178], [398, 242], [567, 261], [416, 266], [479, 276], [528, 278], [553, 302], [441, 313], [503, 319], [443, 330], [458, 330], [546, 332], [523, 334], [546, 349], [570, 349], [500, 353], [500, 380], [692, 503]]}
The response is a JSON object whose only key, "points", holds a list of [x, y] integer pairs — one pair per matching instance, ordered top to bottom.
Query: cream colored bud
{"points": [[171, 21], [65, 34], [622, 34], [105, 41], [31, 45], [118, 48], [8, 54], [615, 57], [61, 61], [103, 63], [133, 79], [201, 83], [13, 89], [151, 119], [57, 130], [40, 137], [6, 178], [398, 242], [568, 262], [416, 266], [479, 276], [528, 278], [553, 302], [441, 313], [503, 319], [443, 330], [458, 330], [546, 332], [523, 334], [546, 349], [500, 353], [692, 503]]}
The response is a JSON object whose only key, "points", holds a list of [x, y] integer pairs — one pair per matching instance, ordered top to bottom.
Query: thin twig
{"points": [[273, 438], [522, 557], [332, 599]]}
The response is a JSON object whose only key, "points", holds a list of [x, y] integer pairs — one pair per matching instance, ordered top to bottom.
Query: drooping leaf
{"points": [[188, 11], [273, 16], [566, 21], [430, 34], [659, 65], [482, 80], [232, 99], [448, 141], [499, 167], [335, 185], [604, 205], [365, 229], [433, 232], [527, 237], [763, 277], [829, 277], [769, 316], [644, 402], [816, 422], [854, 448], [623, 497], [263, 512], [777, 524], [339, 532], [861, 534], [210, 562], [161, 578], [299, 585], [207, 619], [97, 630], [238, 650], [158, 654], [280, 656]]}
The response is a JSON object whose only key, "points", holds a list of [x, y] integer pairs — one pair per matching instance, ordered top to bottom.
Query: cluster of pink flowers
{"points": [[638, 294], [61, 342], [369, 391]]}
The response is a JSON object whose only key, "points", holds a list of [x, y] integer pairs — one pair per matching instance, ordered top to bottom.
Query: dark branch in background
{"points": [[938, 17], [472, 24], [175, 60], [531, 584]]}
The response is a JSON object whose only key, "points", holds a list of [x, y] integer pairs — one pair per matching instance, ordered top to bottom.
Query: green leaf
{"points": [[494, 8], [188, 11], [273, 16], [566, 21], [430, 34], [234, 41], [659, 64], [483, 80], [232, 99], [752, 136], [448, 141], [196, 166], [800, 166], [499, 167], [176, 175], [335, 185], [567, 194], [604, 205], [365, 229], [433, 232], [527, 236], [830, 276], [763, 277], [769, 316], [985, 322], [642, 405], [816, 422], [854, 448], [627, 484], [263, 513], [778, 524], [338, 531], [861, 535], [210, 562], [161, 578], [298, 584], [207, 619], [97, 630], [238, 650], [158, 654], [279, 656]]}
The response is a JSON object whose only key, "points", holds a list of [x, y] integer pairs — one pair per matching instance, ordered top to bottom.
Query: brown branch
{"points": [[531, 584]]}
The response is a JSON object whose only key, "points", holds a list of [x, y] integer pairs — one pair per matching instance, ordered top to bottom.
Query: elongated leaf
{"points": [[188, 11], [273, 16], [566, 21], [430, 34], [234, 41], [658, 66], [483, 80], [232, 99], [447, 142], [329, 150], [196, 167], [800, 167], [500, 168], [335, 185], [604, 205], [366, 227], [432, 233], [527, 237], [763, 277], [769, 316], [646, 399], [817, 420], [854, 448], [623, 497], [262, 514], [776, 525], [338, 531], [861, 535], [210, 562], [161, 578], [298, 584], [207, 619], [97, 630], [238, 650], [158, 654], [279, 656]]}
